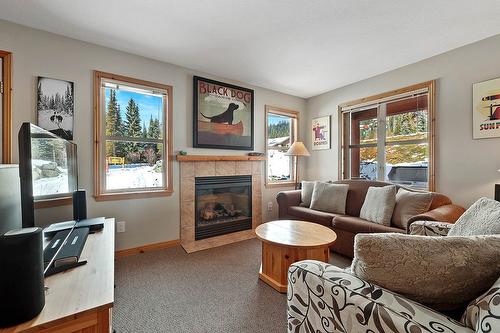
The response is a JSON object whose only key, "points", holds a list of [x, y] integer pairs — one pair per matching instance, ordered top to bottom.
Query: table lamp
{"points": [[296, 150]]}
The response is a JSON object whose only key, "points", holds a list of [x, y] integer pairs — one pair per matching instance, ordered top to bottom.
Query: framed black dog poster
{"points": [[223, 115]]}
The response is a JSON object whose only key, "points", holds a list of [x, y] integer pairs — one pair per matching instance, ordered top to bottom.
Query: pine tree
{"points": [[40, 97], [68, 100], [52, 103], [133, 120], [421, 121], [111, 122], [119, 126], [154, 128], [133, 129], [281, 129], [144, 130], [154, 132], [120, 147]]}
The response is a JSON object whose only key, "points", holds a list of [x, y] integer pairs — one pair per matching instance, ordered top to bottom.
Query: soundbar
{"points": [[94, 225]]}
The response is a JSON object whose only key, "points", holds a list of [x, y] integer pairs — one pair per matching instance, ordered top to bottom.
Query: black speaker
{"points": [[497, 192], [79, 205], [22, 292]]}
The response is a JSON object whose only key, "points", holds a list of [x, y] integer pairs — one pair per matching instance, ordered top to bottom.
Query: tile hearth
{"points": [[189, 170]]}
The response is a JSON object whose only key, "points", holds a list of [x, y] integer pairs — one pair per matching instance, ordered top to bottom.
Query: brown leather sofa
{"points": [[347, 226]]}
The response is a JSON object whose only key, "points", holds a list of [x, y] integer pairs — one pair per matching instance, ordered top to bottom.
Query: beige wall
{"points": [[37, 53], [466, 169]]}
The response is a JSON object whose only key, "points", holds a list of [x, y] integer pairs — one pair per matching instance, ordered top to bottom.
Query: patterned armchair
{"points": [[429, 228], [325, 298]]}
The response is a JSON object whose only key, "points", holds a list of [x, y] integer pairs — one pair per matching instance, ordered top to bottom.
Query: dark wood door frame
{"points": [[6, 106]]}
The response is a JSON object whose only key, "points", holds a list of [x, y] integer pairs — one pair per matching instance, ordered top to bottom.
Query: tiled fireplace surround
{"points": [[190, 169]]}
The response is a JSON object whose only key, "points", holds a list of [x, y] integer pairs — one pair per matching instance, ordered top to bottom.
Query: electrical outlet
{"points": [[270, 206], [120, 226]]}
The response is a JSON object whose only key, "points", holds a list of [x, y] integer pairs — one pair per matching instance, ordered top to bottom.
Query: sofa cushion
{"points": [[357, 192], [306, 193], [329, 197], [379, 204], [409, 204], [311, 215], [482, 218], [358, 225], [441, 272]]}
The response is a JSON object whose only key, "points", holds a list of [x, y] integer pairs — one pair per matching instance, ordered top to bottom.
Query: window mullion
{"points": [[381, 120], [132, 139], [347, 173]]}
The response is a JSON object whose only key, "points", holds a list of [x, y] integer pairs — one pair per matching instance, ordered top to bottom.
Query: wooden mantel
{"points": [[195, 158]]}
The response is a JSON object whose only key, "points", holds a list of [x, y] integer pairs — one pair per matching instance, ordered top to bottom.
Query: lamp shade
{"points": [[297, 149]]}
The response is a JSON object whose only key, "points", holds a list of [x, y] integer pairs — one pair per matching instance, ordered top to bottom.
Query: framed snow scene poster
{"points": [[55, 106], [486, 109], [222, 115], [321, 133]]}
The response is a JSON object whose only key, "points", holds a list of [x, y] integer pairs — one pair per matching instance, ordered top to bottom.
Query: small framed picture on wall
{"points": [[55, 106], [486, 109], [321, 136]]}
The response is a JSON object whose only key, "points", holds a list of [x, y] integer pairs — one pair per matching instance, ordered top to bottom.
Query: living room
{"points": [[315, 92]]}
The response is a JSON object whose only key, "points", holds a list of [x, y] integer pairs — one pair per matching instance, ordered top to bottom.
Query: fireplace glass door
{"points": [[223, 205]]}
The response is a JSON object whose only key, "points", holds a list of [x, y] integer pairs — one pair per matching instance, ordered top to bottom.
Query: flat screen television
{"points": [[47, 168]]}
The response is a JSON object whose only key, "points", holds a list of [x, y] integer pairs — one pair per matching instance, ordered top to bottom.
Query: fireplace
{"points": [[223, 204]]}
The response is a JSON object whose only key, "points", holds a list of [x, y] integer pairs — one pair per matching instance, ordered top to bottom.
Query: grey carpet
{"points": [[216, 290]]}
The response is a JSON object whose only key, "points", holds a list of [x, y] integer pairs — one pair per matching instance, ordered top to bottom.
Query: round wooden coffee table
{"points": [[287, 241]]}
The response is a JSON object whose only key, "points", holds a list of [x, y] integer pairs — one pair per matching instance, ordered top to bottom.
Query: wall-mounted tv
{"points": [[47, 167]]}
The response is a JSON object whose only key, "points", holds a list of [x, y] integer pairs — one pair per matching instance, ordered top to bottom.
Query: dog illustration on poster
{"points": [[223, 115]]}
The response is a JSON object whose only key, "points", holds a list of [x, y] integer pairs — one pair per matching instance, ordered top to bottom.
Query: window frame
{"points": [[6, 113], [288, 113], [345, 116], [100, 193]]}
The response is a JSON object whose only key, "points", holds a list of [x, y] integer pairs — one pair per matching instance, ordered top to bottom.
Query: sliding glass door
{"points": [[390, 140]]}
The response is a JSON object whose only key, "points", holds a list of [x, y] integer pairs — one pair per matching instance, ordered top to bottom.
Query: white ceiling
{"points": [[300, 47]]}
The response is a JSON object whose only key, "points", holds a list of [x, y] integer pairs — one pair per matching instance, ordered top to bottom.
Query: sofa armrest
{"points": [[287, 199], [446, 213], [430, 228], [324, 298]]}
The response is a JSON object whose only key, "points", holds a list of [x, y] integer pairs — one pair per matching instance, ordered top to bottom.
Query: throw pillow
{"points": [[306, 193], [329, 197], [379, 204], [409, 204], [482, 218], [441, 272]]}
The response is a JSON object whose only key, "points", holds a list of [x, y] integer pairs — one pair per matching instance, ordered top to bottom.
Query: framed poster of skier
{"points": [[55, 106], [486, 109], [222, 115], [321, 133]]}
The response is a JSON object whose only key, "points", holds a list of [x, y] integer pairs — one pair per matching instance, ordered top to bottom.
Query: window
{"points": [[281, 132], [389, 137], [133, 144]]}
